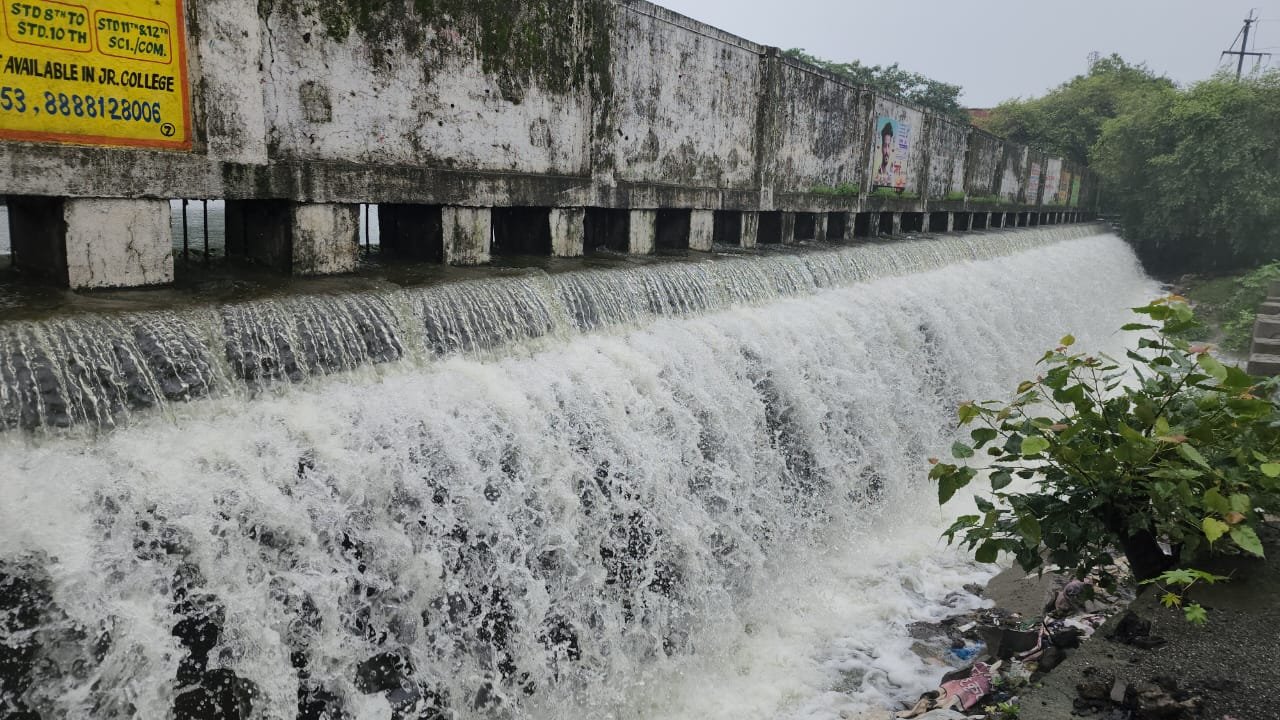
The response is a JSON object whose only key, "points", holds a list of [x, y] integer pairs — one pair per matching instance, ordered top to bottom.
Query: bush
{"points": [[1175, 449]]}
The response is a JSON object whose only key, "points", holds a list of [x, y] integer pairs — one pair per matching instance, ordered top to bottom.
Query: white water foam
{"points": [[727, 512]]}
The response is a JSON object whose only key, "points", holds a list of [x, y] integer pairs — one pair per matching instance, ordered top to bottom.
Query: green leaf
{"points": [[1137, 326], [1067, 340], [1215, 369], [967, 412], [982, 436], [1033, 445], [961, 451], [1189, 452], [1270, 469], [1000, 479], [950, 482], [1214, 501], [1241, 503], [1214, 528], [1030, 529], [1246, 539], [988, 552], [1171, 599], [1195, 614]]}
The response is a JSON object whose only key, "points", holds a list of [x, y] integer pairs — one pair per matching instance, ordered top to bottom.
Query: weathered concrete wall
{"points": [[400, 87], [685, 102], [547, 103], [815, 130], [948, 147], [986, 153], [1014, 177]]}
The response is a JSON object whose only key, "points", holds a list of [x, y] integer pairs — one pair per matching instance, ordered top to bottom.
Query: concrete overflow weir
{"points": [[557, 129], [99, 369]]}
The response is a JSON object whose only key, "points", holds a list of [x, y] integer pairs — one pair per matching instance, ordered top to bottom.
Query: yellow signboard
{"points": [[95, 72]]}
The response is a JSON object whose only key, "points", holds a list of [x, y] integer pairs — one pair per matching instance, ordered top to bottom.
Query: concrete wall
{"points": [[546, 103], [685, 103], [815, 131], [948, 147], [986, 155], [1013, 179]]}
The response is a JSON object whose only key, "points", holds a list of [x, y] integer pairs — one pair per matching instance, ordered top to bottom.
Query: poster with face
{"points": [[890, 152]]}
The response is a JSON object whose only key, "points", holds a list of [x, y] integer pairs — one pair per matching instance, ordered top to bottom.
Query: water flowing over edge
{"points": [[99, 370], [711, 515]]}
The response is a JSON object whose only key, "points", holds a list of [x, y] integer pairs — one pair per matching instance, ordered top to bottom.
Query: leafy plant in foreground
{"points": [[1176, 449], [1184, 579]]}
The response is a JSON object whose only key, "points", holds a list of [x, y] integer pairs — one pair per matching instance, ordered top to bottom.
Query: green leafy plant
{"points": [[891, 193], [954, 195], [985, 199], [1230, 304], [1175, 449], [1176, 586], [1003, 711]]}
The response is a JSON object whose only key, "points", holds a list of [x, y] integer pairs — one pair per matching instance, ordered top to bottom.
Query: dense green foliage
{"points": [[938, 97], [1068, 121], [1194, 173], [1229, 304], [1175, 448]]}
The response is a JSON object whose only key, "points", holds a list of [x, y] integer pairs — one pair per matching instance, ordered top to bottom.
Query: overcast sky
{"points": [[999, 49]]}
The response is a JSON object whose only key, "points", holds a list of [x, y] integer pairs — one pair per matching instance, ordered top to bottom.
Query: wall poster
{"points": [[95, 72]]}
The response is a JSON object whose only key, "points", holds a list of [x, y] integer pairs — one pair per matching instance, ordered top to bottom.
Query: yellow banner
{"points": [[95, 72]]}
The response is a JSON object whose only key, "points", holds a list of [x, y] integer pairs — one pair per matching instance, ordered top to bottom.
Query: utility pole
{"points": [[1244, 45]]}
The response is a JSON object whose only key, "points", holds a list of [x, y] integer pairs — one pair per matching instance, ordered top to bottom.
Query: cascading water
{"points": [[674, 491]]}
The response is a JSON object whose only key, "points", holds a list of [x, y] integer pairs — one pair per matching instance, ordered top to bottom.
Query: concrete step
{"points": [[1274, 289], [1270, 307], [1266, 327], [1265, 346], [1260, 364]]}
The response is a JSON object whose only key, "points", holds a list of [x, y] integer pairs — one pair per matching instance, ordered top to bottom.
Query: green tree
{"points": [[932, 95], [1068, 120], [1195, 175], [1176, 450]]}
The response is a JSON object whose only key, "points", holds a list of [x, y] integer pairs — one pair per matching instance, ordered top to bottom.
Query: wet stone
{"points": [[384, 672], [221, 695]]}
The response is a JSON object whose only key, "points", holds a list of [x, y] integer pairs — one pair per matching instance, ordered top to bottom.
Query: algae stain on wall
{"points": [[558, 46]]}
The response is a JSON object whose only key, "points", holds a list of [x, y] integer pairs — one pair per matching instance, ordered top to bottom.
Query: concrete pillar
{"points": [[951, 222], [897, 223], [820, 226], [702, 227], [788, 228], [750, 229], [568, 231], [644, 232], [468, 234], [326, 238], [93, 243]]}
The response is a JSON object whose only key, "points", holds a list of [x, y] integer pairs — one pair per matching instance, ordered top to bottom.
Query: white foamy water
{"points": [[715, 515]]}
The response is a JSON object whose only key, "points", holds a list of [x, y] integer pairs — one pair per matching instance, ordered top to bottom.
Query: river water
{"points": [[661, 492]]}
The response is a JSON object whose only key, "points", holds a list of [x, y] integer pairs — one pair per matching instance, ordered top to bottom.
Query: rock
{"points": [[1135, 631], [388, 671], [1096, 687], [221, 695], [1154, 702]]}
